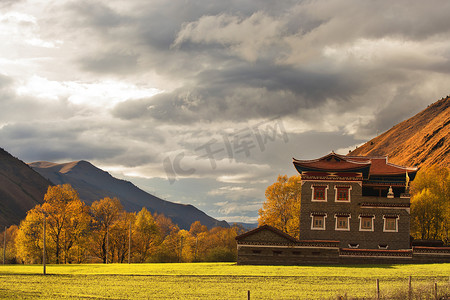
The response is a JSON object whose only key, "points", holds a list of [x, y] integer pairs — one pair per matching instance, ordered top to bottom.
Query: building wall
{"points": [[355, 208], [276, 255], [298, 255]]}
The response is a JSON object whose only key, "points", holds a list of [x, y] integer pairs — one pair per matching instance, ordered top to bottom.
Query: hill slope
{"points": [[423, 140], [93, 184], [21, 188]]}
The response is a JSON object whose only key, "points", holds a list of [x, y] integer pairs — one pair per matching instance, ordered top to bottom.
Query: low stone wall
{"points": [[329, 254], [287, 255]]}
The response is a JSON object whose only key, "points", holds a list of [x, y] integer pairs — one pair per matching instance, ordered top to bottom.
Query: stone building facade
{"points": [[361, 201]]}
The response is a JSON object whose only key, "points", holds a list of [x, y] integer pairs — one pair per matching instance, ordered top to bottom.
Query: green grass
{"points": [[214, 281]]}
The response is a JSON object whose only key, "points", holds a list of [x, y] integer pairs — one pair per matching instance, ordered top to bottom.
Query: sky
{"points": [[207, 102]]}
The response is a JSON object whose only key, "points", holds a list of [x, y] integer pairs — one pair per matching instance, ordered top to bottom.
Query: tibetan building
{"points": [[361, 201], [354, 209]]}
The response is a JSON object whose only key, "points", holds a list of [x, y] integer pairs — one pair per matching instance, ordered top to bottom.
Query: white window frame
{"points": [[326, 192], [336, 193], [324, 216], [348, 222], [360, 223], [384, 223]]}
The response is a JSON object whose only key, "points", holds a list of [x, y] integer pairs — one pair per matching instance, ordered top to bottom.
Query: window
{"points": [[319, 192], [342, 193], [318, 222], [342, 222], [366, 223], [390, 224]]}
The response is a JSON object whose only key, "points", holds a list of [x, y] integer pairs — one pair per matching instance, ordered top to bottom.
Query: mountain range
{"points": [[422, 140], [93, 184], [21, 188]]}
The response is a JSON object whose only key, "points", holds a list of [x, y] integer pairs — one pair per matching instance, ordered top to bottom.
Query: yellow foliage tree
{"points": [[430, 204], [282, 206], [105, 212], [67, 219], [119, 236], [145, 236], [29, 240], [10, 251]]}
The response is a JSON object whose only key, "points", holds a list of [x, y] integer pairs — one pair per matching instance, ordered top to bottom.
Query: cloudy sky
{"points": [[206, 102]]}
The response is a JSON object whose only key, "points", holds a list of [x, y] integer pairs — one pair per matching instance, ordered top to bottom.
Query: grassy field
{"points": [[216, 281]]}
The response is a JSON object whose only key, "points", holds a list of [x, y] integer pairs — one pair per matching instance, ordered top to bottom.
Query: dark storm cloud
{"points": [[220, 84], [249, 91], [56, 141]]}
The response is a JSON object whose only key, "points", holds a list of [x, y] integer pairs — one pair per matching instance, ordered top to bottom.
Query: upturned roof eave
{"points": [[343, 157]]}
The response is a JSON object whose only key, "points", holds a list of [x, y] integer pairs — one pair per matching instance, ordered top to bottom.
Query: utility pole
{"points": [[107, 243], [129, 245], [196, 245], [4, 247], [181, 249], [43, 250]]}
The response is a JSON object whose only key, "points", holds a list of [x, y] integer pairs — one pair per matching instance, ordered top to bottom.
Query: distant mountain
{"points": [[423, 140], [93, 184], [21, 188], [247, 226]]}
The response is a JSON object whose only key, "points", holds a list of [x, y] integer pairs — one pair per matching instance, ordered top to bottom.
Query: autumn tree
{"points": [[430, 204], [282, 206], [105, 213], [67, 218], [195, 230], [11, 235], [119, 236], [145, 236], [29, 240], [220, 244], [169, 249]]}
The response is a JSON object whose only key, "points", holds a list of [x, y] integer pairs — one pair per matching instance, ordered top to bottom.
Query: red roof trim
{"points": [[343, 157], [379, 165], [375, 250]]}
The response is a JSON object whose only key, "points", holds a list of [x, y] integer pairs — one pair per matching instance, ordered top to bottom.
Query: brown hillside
{"points": [[422, 140], [93, 184], [21, 188]]}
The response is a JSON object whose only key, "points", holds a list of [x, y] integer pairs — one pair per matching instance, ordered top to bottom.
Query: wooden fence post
{"points": [[4, 247], [409, 288], [378, 289], [435, 291]]}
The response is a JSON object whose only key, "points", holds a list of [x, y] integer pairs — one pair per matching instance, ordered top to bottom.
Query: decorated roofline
{"points": [[343, 157], [370, 167]]}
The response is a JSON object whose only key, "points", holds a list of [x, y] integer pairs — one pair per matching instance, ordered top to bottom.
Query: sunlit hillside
{"points": [[422, 140]]}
